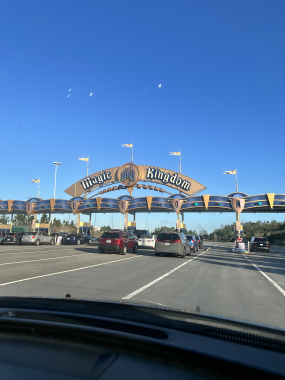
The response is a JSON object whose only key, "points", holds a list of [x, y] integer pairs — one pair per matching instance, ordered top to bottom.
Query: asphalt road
{"points": [[248, 287]]}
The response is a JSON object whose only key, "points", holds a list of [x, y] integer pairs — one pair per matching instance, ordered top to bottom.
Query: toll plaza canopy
{"points": [[97, 185], [263, 203]]}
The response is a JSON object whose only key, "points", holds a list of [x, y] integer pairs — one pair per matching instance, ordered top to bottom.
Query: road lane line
{"points": [[18, 253], [49, 258], [67, 271], [158, 279], [282, 291]]}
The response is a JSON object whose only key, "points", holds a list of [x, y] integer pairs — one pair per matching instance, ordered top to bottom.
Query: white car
{"points": [[146, 241]]}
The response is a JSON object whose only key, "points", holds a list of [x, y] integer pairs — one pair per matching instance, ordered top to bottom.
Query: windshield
{"points": [[129, 120], [114, 235], [168, 237]]}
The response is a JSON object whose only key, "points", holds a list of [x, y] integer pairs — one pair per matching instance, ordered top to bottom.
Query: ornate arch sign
{"points": [[130, 174], [176, 204], [238, 204], [123, 205], [30, 206], [74, 206]]}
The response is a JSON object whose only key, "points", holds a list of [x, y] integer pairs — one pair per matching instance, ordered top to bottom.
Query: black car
{"points": [[13, 238], [76, 239], [199, 241]]}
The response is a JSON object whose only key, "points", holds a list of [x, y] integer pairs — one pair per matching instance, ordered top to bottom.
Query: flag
{"points": [[127, 145], [175, 153], [83, 159], [230, 172], [35, 180]]}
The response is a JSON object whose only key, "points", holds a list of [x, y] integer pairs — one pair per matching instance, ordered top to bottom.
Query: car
{"points": [[139, 233], [58, 234], [13, 238], [37, 238], [2, 239], [76, 239], [118, 241], [146, 241], [200, 241], [174, 243], [259, 244], [194, 246]]}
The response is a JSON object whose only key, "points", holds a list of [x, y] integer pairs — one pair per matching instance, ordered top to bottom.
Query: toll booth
{"points": [[132, 226], [42, 227], [5, 228], [85, 228]]}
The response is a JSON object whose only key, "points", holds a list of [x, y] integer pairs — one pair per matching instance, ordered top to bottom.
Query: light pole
{"points": [[56, 165]]}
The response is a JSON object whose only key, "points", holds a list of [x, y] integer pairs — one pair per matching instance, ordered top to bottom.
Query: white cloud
{"points": [[159, 86], [69, 89], [91, 94], [68, 95]]}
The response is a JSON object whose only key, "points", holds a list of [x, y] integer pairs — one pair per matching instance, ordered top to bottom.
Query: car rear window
{"points": [[30, 233], [111, 235], [146, 236], [168, 236], [189, 237], [260, 239]]}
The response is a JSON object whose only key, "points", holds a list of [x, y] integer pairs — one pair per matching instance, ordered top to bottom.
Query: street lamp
{"points": [[56, 165]]}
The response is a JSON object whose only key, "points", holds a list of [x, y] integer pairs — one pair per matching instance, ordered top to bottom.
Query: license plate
{"points": [[8, 239], [68, 239], [108, 241], [167, 243], [261, 244]]}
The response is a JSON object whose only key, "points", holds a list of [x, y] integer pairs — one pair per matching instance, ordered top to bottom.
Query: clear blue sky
{"points": [[221, 69]]}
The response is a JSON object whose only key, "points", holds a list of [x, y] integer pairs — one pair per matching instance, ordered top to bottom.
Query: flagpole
{"points": [[132, 152], [180, 161], [87, 176], [236, 182], [39, 187]]}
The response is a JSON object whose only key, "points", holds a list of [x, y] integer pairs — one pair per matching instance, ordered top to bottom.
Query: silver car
{"points": [[37, 238], [174, 243]]}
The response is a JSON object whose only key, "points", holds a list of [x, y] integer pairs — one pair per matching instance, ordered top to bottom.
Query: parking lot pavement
{"points": [[217, 280]]}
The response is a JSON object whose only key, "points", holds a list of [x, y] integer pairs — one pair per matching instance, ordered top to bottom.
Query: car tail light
{"points": [[14, 235], [33, 236], [157, 240], [177, 241], [193, 241]]}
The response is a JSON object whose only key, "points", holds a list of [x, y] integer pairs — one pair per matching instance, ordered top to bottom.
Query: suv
{"points": [[139, 233], [13, 238], [118, 241], [199, 241], [175, 243], [193, 243], [259, 243]]}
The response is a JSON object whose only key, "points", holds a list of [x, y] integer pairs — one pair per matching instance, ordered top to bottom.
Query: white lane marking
{"points": [[19, 253], [49, 258], [67, 271], [158, 279], [282, 291]]}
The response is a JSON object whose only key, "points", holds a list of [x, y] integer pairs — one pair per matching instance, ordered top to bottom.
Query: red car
{"points": [[118, 241]]}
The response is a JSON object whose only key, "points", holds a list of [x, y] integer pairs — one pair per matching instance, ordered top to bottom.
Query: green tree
{"points": [[44, 218], [4, 219], [23, 220], [105, 228]]}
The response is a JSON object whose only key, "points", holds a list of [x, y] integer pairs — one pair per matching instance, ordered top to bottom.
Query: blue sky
{"points": [[221, 69]]}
